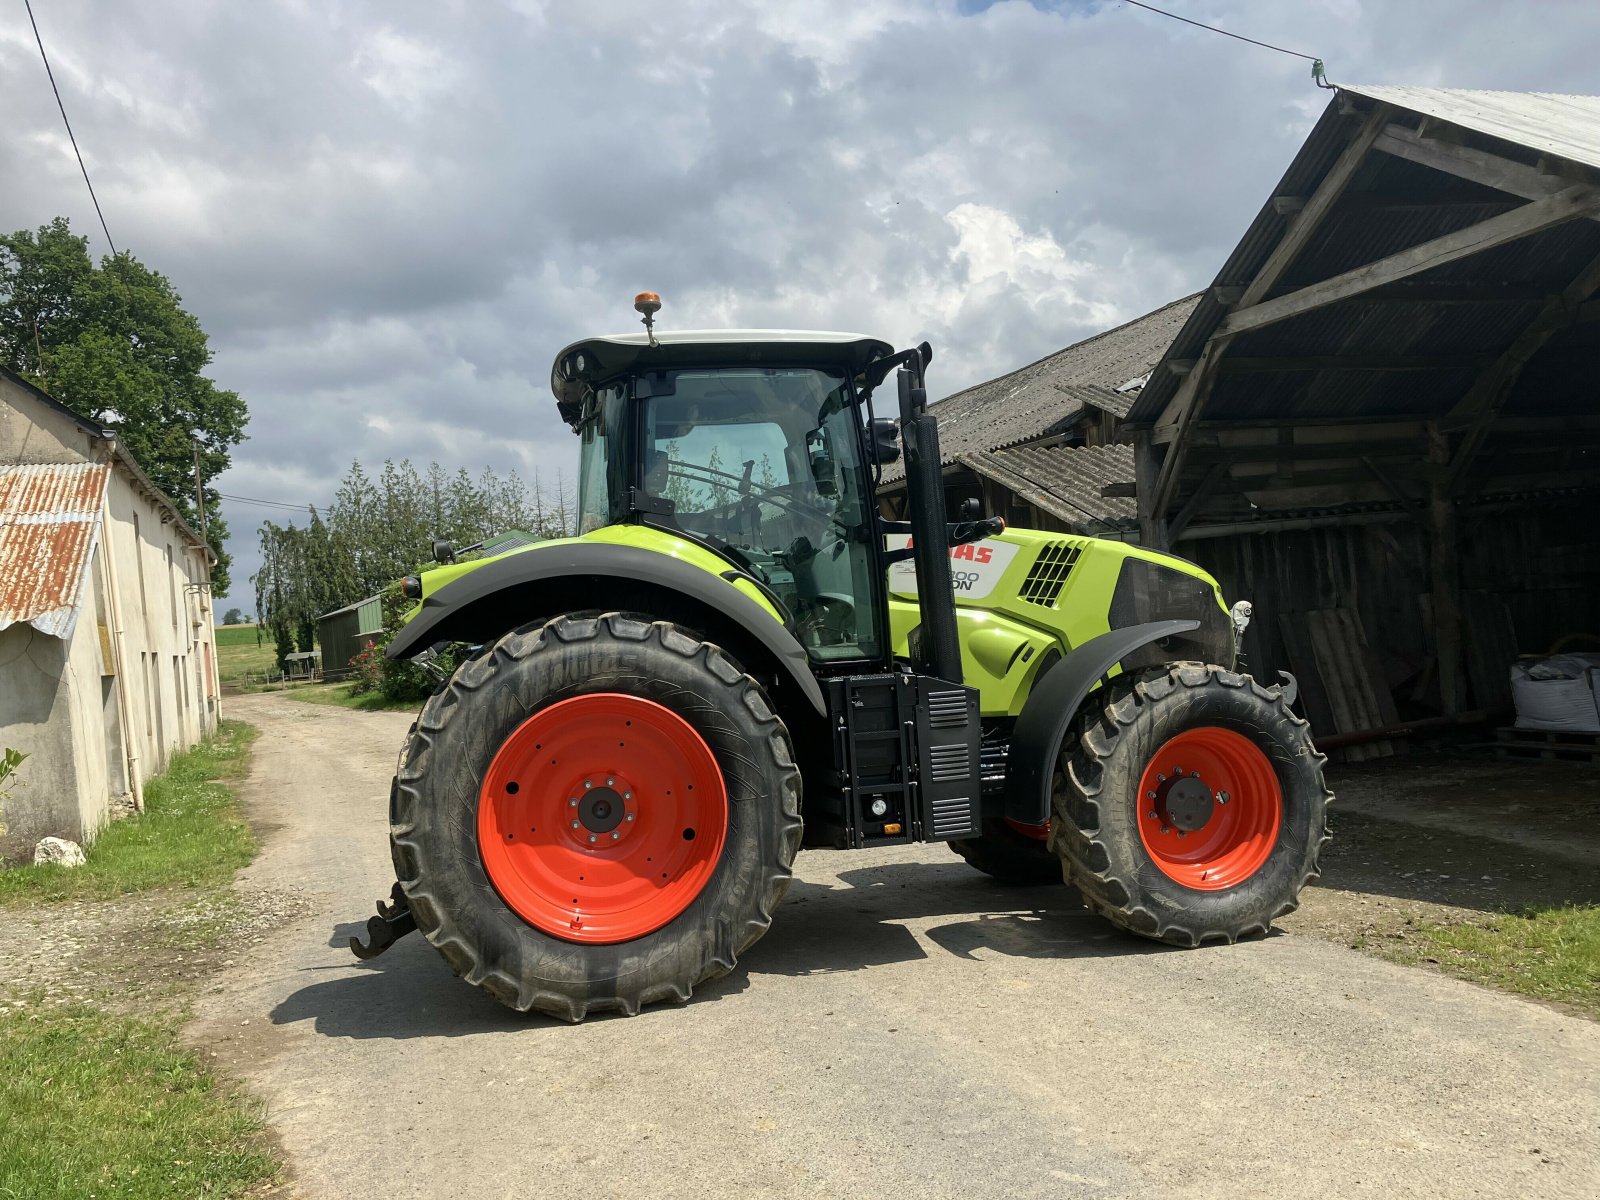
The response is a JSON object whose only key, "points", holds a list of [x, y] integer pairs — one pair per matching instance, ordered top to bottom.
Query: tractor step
{"points": [[907, 759], [393, 922]]}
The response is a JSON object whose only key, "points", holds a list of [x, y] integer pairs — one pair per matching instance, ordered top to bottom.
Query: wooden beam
{"points": [[1465, 162], [1287, 206], [1532, 218], [1298, 229], [1418, 291], [1356, 362], [1188, 400], [1483, 401], [1146, 470], [1389, 483], [1197, 500], [1279, 524], [1444, 571]]}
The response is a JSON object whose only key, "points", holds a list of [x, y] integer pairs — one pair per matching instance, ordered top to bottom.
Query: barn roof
{"points": [[1428, 261], [1037, 400], [1069, 482], [49, 525]]}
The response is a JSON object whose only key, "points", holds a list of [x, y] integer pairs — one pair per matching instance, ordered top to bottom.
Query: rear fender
{"points": [[572, 576], [1052, 705]]}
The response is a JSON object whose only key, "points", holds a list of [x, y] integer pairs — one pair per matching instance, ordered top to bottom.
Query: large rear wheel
{"points": [[1192, 807], [599, 813]]}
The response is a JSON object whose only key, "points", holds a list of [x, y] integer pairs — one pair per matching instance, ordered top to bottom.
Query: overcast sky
{"points": [[389, 215]]}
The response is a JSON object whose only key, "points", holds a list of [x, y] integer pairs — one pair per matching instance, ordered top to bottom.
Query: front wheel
{"points": [[1192, 807], [599, 813]]}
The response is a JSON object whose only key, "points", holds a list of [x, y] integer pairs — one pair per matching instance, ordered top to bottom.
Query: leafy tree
{"points": [[114, 343], [233, 617]]}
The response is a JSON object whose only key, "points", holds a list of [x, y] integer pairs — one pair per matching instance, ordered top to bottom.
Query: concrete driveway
{"points": [[906, 1029]]}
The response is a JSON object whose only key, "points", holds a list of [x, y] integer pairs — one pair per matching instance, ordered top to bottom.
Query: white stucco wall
{"points": [[79, 717]]}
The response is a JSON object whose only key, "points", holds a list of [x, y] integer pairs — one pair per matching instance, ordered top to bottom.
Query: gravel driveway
{"points": [[906, 1029]]}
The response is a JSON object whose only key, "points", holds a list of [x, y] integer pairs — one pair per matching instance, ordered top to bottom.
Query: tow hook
{"points": [[393, 922]]}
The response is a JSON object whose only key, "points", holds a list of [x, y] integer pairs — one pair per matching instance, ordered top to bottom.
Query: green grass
{"points": [[239, 654], [339, 694], [190, 835], [1551, 954], [93, 1104]]}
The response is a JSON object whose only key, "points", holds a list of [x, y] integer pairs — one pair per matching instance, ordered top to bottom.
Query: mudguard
{"points": [[450, 613], [1051, 706]]}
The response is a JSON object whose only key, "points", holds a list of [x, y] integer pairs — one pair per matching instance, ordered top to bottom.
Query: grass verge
{"points": [[339, 694], [190, 834], [1550, 954], [98, 1094], [93, 1104]]}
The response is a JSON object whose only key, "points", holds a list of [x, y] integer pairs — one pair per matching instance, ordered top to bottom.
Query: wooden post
{"points": [[1146, 474], [1444, 569]]}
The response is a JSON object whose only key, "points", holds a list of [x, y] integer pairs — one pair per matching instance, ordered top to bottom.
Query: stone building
{"points": [[107, 662]]}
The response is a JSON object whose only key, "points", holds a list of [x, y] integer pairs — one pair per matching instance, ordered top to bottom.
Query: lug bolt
{"points": [[1177, 772], [1161, 778], [610, 782], [587, 783], [627, 795], [1149, 795], [1223, 797], [572, 802], [1151, 814], [629, 817], [574, 824], [1164, 829], [1181, 833], [615, 835], [592, 839]]}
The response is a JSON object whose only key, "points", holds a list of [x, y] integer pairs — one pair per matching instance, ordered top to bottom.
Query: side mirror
{"points": [[885, 440], [443, 552]]}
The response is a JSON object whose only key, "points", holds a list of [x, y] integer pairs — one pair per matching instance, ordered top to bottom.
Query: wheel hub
{"points": [[1187, 802], [601, 818]]}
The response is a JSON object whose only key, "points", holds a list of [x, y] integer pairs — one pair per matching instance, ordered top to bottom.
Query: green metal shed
{"points": [[346, 632]]}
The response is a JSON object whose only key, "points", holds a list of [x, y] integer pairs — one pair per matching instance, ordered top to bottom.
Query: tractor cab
{"points": [[749, 442]]}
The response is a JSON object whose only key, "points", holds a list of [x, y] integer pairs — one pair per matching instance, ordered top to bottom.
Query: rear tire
{"points": [[471, 778], [1251, 805], [1013, 858]]}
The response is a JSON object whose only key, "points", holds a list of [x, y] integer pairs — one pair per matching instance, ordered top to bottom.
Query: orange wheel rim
{"points": [[1210, 807], [601, 818]]}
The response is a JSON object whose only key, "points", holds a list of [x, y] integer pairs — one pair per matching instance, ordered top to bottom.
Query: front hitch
{"points": [[393, 922]]}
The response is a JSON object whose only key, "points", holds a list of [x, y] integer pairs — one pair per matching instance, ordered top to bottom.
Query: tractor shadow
{"points": [[857, 920], [824, 928]]}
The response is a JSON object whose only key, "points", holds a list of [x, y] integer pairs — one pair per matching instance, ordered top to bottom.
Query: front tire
{"points": [[1192, 807], [599, 813]]}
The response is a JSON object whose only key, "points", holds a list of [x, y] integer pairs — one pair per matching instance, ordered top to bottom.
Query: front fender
{"points": [[545, 581], [1051, 706]]}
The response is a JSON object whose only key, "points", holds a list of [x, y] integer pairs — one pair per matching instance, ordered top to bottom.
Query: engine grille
{"points": [[1049, 572]]}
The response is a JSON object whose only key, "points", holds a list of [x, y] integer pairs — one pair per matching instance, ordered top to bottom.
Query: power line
{"points": [[28, 4], [1316, 63], [271, 504]]}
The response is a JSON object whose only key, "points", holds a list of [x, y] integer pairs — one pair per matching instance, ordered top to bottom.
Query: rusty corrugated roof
{"points": [[1066, 481], [49, 523]]}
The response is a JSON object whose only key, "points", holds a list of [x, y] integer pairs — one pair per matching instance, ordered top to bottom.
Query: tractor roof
{"points": [[614, 354]]}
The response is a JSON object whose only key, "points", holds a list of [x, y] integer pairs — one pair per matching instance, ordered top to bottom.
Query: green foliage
{"points": [[114, 344], [378, 530], [232, 617], [9, 762], [190, 834], [1552, 954], [96, 1104]]}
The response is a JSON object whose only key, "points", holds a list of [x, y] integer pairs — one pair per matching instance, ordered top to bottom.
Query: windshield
{"points": [[766, 464]]}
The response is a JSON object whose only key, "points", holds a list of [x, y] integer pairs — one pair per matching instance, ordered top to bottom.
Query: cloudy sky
{"points": [[389, 214]]}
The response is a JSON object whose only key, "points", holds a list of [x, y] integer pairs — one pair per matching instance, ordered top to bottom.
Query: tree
{"points": [[114, 343], [233, 617]]}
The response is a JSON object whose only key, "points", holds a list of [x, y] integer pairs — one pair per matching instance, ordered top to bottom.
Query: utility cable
{"points": [[28, 4], [1316, 63], [267, 503]]}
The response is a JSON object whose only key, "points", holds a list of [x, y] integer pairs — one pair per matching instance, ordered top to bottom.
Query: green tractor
{"points": [[738, 656]]}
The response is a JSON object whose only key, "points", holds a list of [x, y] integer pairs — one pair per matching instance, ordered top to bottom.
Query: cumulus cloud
{"points": [[391, 215]]}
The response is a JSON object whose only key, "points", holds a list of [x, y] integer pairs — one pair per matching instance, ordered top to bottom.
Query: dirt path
{"points": [[906, 1027]]}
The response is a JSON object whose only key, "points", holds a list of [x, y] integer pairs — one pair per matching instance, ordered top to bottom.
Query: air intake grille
{"points": [[1049, 574], [947, 709], [946, 764], [952, 816]]}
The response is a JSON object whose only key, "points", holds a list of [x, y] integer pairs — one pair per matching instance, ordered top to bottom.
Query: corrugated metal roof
{"points": [[1568, 126], [1036, 400], [1066, 481], [49, 524]]}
